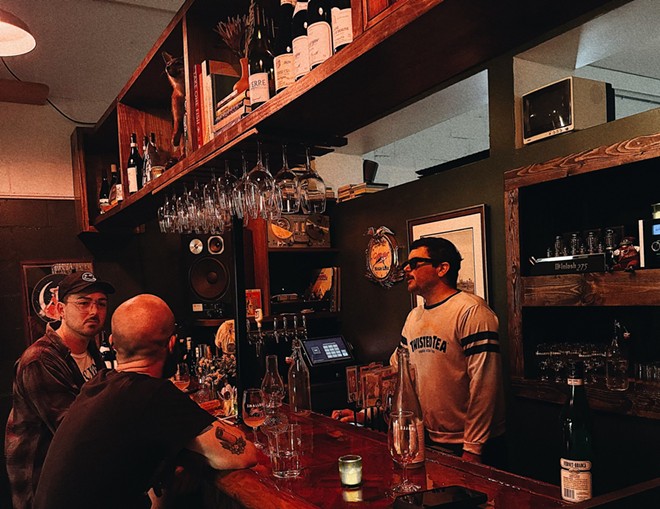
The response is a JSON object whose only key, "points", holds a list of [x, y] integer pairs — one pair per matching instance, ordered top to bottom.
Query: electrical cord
{"points": [[49, 101]]}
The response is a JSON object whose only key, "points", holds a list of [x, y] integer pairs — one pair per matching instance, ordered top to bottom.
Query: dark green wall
{"points": [[372, 317]]}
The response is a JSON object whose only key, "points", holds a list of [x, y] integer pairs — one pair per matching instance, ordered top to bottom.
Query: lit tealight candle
{"points": [[350, 470]]}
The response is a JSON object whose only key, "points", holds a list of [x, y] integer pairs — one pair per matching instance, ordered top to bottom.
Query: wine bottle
{"points": [[341, 20], [319, 32], [299, 40], [283, 49], [260, 61], [146, 161], [157, 161], [134, 167], [116, 187], [104, 193], [107, 352], [616, 361], [300, 399], [405, 399], [576, 450]]}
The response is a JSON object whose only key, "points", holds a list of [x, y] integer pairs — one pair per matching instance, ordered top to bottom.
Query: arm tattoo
{"points": [[238, 447]]}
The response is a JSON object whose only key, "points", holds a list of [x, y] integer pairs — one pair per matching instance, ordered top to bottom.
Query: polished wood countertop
{"points": [[324, 440]]}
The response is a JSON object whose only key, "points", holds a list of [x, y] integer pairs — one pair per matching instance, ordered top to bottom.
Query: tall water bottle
{"points": [[405, 398], [300, 400]]}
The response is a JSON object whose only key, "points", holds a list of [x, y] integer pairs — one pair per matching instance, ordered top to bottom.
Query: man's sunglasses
{"points": [[414, 262]]}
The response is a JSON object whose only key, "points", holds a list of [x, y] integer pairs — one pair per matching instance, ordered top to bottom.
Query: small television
{"points": [[566, 105]]}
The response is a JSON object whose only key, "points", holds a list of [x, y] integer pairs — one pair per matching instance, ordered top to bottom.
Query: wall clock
{"points": [[382, 257]]}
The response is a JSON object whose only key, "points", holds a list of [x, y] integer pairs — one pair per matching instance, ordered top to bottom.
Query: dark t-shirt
{"points": [[115, 438]]}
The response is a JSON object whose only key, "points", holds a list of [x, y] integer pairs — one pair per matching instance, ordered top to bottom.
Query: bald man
{"points": [[124, 431]]}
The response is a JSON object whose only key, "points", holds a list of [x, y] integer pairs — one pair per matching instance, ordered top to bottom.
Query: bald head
{"points": [[141, 328]]}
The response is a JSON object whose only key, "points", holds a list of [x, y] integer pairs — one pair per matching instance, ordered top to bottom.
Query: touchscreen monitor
{"points": [[326, 350]]}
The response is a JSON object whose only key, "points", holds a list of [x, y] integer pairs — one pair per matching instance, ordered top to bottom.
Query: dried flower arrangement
{"points": [[236, 33]]}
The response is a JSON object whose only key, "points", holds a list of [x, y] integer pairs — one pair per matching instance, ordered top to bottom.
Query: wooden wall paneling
{"points": [[80, 177], [258, 228], [514, 288]]}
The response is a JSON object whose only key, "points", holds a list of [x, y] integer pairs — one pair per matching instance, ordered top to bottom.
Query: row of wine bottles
{"points": [[308, 33], [140, 169]]}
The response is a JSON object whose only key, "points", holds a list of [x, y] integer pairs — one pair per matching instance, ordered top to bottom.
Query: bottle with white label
{"points": [[341, 20], [319, 32], [299, 41], [283, 48], [260, 61], [134, 167], [405, 399], [576, 444]]}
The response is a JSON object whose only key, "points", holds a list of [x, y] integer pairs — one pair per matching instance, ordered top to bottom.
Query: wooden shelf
{"points": [[415, 47], [622, 167], [639, 288], [638, 400]]}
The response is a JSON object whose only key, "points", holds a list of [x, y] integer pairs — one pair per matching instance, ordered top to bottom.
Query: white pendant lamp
{"points": [[15, 36]]}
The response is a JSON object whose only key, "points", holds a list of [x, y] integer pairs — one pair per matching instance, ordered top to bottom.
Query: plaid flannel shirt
{"points": [[46, 381]]}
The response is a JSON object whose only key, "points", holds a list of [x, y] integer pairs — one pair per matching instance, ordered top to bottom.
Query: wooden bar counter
{"points": [[325, 440]]}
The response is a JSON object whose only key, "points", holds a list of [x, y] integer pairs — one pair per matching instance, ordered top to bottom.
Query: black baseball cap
{"points": [[77, 282]]}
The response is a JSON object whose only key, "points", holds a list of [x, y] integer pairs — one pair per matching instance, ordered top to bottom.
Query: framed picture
{"points": [[465, 228], [40, 280]]}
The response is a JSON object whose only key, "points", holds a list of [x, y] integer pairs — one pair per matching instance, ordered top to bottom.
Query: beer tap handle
{"points": [[276, 334]]}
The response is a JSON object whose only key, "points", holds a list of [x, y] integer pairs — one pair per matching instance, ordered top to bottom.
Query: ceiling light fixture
{"points": [[15, 36]]}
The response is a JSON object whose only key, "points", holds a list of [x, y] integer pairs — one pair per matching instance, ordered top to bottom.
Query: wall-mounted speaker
{"points": [[209, 269]]}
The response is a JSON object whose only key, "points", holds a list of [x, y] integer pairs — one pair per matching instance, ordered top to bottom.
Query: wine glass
{"points": [[287, 183], [311, 189], [240, 192], [260, 200], [254, 412], [404, 444]]}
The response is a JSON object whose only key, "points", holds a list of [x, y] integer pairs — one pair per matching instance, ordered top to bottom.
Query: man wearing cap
{"points": [[49, 376]]}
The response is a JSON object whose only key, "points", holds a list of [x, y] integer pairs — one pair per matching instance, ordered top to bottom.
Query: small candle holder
{"points": [[350, 470]]}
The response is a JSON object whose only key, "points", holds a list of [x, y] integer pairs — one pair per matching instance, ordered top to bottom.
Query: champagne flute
{"points": [[254, 412], [403, 443]]}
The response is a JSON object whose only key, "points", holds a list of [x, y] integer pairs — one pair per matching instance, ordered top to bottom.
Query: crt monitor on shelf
{"points": [[568, 104]]}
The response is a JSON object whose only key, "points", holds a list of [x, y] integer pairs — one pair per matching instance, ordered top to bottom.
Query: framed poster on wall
{"points": [[465, 228], [40, 280]]}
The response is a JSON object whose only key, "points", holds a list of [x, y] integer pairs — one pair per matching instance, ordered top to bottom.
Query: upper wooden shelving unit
{"points": [[407, 51], [573, 191]]}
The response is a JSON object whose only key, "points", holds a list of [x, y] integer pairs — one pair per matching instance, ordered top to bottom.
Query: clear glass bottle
{"points": [[616, 365], [272, 385], [300, 398], [405, 399], [576, 449]]}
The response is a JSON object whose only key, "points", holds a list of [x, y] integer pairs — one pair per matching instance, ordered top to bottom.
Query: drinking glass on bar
{"points": [[254, 412], [403, 443]]}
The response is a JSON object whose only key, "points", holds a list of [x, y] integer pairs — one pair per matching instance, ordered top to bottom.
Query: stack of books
{"points": [[212, 82], [231, 109], [350, 191]]}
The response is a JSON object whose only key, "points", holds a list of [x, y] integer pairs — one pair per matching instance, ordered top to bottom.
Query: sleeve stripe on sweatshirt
{"points": [[480, 336]]}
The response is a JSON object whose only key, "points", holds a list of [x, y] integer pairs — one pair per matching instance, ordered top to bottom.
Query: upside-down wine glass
{"points": [[226, 183], [287, 183], [311, 189], [240, 192], [260, 194], [254, 412], [403, 443]]}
